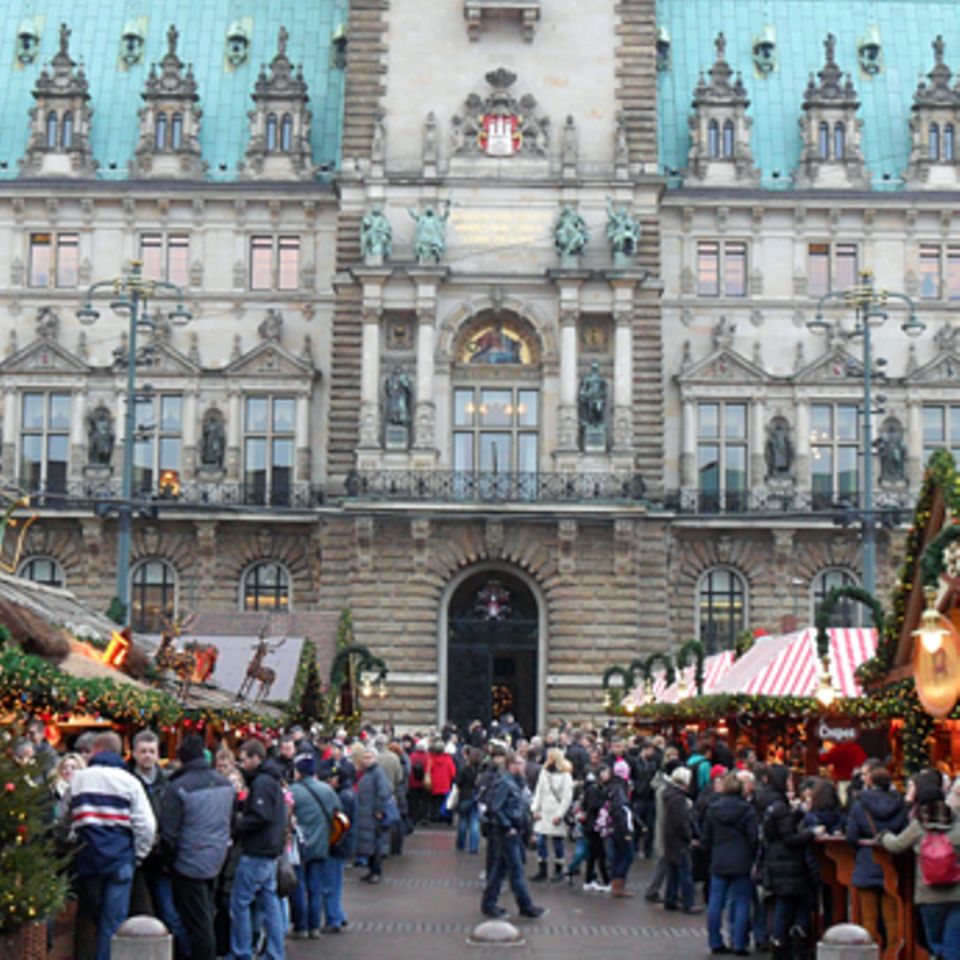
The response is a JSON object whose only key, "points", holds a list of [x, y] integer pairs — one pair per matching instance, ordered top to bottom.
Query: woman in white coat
{"points": [[551, 801]]}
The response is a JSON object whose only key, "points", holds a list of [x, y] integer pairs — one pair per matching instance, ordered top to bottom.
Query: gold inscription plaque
{"points": [[501, 227]]}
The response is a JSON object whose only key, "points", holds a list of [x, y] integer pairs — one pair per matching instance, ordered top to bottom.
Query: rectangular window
{"points": [[41, 246], [151, 255], [166, 257], [68, 259], [178, 259], [54, 260], [261, 263], [274, 263], [288, 263], [721, 268], [831, 268], [708, 269], [735, 269], [818, 269], [847, 271], [953, 273], [930, 288], [941, 429], [44, 441], [268, 450], [156, 451], [834, 454], [722, 456]]}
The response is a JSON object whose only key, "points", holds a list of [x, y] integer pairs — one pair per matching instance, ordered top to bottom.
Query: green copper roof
{"points": [[97, 27], [906, 30]]}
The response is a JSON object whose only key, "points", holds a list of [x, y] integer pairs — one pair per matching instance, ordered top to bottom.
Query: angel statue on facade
{"points": [[623, 232], [570, 234], [376, 236], [429, 241]]}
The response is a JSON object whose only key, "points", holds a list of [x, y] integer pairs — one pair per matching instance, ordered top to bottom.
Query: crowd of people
{"points": [[236, 851]]}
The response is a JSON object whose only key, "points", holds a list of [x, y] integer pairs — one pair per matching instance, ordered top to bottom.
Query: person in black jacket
{"points": [[593, 799], [195, 817], [260, 830], [677, 837], [730, 838], [786, 876]]}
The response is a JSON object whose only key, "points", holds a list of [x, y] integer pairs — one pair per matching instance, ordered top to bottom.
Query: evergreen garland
{"points": [[695, 649]]}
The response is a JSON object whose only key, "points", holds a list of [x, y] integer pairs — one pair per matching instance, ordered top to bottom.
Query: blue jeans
{"points": [[468, 827], [543, 852], [579, 854], [621, 856], [505, 859], [255, 883], [331, 883], [679, 884], [739, 891], [161, 893], [306, 898], [107, 900], [789, 912], [759, 917], [941, 924]]}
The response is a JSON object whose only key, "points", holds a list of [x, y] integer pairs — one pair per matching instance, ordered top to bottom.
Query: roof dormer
{"points": [[933, 128], [59, 144], [169, 144], [279, 147], [720, 153], [832, 154]]}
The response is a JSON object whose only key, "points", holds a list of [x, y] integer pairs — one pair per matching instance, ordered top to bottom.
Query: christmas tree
{"points": [[32, 884]]}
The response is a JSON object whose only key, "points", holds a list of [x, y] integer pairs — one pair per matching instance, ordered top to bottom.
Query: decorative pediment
{"points": [[834, 87], [719, 90], [938, 92], [501, 124], [43, 355], [269, 358], [164, 359], [723, 365], [835, 365], [943, 368]]}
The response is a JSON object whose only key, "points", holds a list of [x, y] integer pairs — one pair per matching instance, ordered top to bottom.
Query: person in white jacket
{"points": [[551, 801]]}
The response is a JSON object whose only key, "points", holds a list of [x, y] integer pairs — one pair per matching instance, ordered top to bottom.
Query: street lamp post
{"points": [[131, 293], [867, 302]]}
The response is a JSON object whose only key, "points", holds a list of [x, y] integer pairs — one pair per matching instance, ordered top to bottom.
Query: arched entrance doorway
{"points": [[493, 632]]}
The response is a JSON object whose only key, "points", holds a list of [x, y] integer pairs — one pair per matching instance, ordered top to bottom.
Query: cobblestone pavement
{"points": [[429, 902]]}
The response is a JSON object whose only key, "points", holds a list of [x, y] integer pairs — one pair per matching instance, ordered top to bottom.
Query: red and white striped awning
{"points": [[788, 665], [714, 669]]}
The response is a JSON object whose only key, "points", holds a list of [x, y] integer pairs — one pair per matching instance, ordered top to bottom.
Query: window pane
{"points": [[176, 131], [151, 254], [178, 255], [261, 255], [67, 259], [39, 260], [708, 269], [818, 269], [735, 270], [289, 271], [929, 272], [953, 273], [847, 275], [463, 408], [496, 408], [528, 408], [59, 411], [171, 412], [954, 413], [257, 414], [283, 414], [143, 415], [31, 417], [709, 420], [735, 421], [821, 422], [847, 422], [933, 426], [463, 451], [170, 453], [283, 453], [495, 453], [255, 454], [31, 456], [708, 462], [143, 465], [255, 470], [847, 470], [735, 474], [821, 476]]}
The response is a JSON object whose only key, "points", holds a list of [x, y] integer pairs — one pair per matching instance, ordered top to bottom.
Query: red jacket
{"points": [[421, 759], [442, 771]]}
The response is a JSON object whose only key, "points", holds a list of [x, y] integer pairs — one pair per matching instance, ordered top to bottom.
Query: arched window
{"points": [[52, 130], [66, 131], [176, 131], [160, 132], [272, 132], [286, 133], [713, 139], [728, 140], [823, 141], [839, 141], [934, 141], [948, 149], [42, 570], [266, 586], [153, 595], [721, 608], [847, 612]]}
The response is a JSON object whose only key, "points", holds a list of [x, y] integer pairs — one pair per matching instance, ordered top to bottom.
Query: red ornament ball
{"points": [[9, 787]]}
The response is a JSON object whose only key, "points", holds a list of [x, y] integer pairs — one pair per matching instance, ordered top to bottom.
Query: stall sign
{"points": [[837, 734]]}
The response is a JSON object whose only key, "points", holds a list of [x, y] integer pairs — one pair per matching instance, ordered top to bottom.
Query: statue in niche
{"points": [[623, 231], [570, 234], [376, 236], [429, 241], [495, 345], [399, 395], [593, 398], [100, 437], [213, 441], [778, 451], [893, 452]]}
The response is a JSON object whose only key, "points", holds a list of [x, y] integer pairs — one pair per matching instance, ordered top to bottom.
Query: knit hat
{"points": [[192, 748], [306, 764], [621, 769], [717, 770], [681, 777], [929, 786]]}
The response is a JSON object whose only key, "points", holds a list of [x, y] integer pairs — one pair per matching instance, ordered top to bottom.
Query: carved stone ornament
{"points": [[500, 124], [933, 124], [169, 142], [48, 323], [271, 327], [213, 440]]}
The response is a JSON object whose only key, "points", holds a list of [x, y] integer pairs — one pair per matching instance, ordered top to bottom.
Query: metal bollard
{"points": [[142, 938], [847, 941]]}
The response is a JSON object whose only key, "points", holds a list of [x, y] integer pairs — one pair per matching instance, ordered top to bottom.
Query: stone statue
{"points": [[623, 231], [570, 234], [376, 236], [429, 242], [271, 327], [399, 394], [593, 398], [100, 437], [213, 441], [779, 450], [893, 452]]}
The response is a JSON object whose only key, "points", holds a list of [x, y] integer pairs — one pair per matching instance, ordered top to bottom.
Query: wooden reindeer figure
{"points": [[168, 658], [257, 672]]}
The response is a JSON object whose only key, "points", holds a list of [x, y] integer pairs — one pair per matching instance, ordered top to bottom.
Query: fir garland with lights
{"points": [[692, 649]]}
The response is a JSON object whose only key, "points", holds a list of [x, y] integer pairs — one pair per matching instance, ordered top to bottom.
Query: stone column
{"points": [[427, 282], [370, 381], [623, 382], [11, 428], [567, 428], [78, 433], [234, 433], [757, 434], [302, 437], [914, 443], [188, 454], [688, 454], [802, 466]]}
